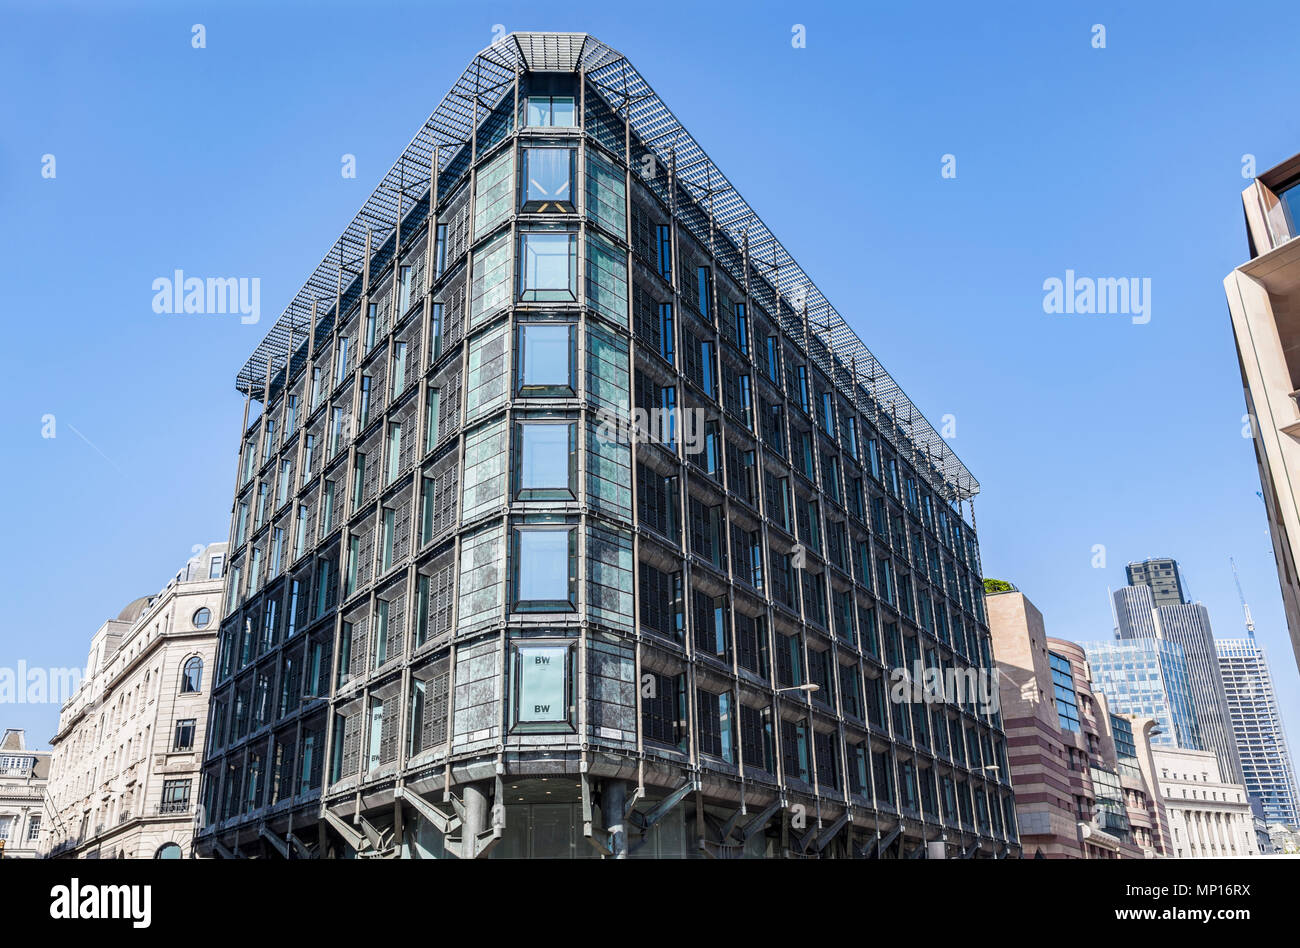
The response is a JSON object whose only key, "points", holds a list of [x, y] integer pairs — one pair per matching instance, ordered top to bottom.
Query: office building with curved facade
{"points": [[571, 520], [1082, 772]]}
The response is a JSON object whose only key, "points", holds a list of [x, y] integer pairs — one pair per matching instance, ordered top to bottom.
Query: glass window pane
{"points": [[539, 110], [562, 111], [547, 179], [547, 262], [546, 356], [544, 460], [543, 565]]}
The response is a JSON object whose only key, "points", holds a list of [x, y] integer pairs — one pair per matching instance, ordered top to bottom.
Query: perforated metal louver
{"points": [[486, 80]]}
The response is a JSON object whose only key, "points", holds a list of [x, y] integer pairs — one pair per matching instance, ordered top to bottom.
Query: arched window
{"points": [[192, 676], [168, 851]]}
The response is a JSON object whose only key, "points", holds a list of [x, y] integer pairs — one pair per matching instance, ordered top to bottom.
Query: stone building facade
{"points": [[127, 755], [1077, 769], [23, 776], [1208, 817]]}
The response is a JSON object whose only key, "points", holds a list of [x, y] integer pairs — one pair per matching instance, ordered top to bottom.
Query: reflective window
{"points": [[551, 111], [547, 176], [1290, 199], [664, 251], [548, 266], [404, 300], [372, 324], [666, 332], [546, 359], [341, 360], [399, 368], [394, 450], [545, 465], [390, 533], [543, 569], [379, 641], [192, 675], [1067, 707], [184, 736]]}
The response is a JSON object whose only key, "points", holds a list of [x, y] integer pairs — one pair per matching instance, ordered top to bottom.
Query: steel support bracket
{"points": [[665, 806], [759, 822], [443, 823], [831, 832], [355, 839], [885, 842], [280, 845], [300, 846]]}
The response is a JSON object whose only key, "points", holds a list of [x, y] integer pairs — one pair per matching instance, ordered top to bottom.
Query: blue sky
{"points": [[1122, 162]]}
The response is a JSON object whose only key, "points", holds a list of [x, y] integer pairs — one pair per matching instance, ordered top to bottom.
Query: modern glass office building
{"points": [[572, 520], [1155, 605], [1188, 625], [1148, 677], [1257, 725]]}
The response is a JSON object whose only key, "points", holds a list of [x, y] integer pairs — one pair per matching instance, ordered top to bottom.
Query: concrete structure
{"points": [[1262, 300], [1134, 613], [502, 627], [1147, 677], [1077, 769], [1269, 774], [23, 776], [124, 776], [1208, 817]]}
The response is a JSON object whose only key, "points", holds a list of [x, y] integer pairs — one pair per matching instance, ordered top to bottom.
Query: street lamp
{"points": [[808, 688]]}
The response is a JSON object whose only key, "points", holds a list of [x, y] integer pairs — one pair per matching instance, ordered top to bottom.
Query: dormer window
{"points": [[551, 111]]}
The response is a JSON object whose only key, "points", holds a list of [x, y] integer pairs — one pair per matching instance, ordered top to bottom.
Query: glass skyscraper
{"points": [[1155, 605], [1148, 677]]}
